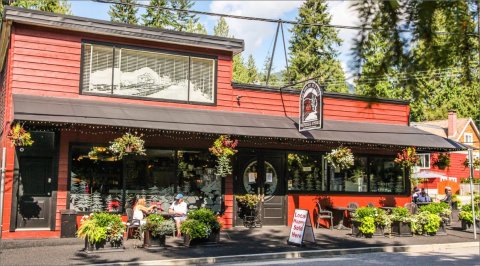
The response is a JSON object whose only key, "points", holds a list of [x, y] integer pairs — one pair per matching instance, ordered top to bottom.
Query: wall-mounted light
{"points": [[238, 99]]}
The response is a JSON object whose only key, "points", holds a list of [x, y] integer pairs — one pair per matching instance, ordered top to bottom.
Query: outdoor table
{"points": [[342, 210]]}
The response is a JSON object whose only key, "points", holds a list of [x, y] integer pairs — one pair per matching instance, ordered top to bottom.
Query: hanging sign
{"points": [[311, 107], [301, 230]]}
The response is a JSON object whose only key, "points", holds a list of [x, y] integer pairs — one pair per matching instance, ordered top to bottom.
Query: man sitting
{"points": [[423, 196], [179, 210]]}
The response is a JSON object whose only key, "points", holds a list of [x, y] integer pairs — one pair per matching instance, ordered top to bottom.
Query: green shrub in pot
{"points": [[400, 214], [207, 217], [158, 226], [368, 226], [100, 227], [195, 229]]}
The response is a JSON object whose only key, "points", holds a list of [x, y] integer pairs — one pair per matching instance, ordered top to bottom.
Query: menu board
{"points": [[301, 230]]}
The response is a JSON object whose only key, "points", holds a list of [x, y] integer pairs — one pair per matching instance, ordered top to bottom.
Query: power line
{"points": [[292, 22]]}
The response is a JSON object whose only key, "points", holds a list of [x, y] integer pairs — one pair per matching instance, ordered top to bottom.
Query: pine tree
{"points": [[124, 12], [156, 17], [182, 18], [195, 27], [221, 28], [312, 49], [240, 73], [252, 73], [273, 79], [82, 199], [96, 202]]}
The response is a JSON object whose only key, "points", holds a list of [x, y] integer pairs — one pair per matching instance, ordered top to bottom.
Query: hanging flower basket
{"points": [[19, 137], [127, 144], [223, 148], [99, 153], [340, 158], [407, 158], [442, 161], [476, 163]]}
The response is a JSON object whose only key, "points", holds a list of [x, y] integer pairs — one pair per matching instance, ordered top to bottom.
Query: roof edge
{"points": [[103, 27], [329, 94]]}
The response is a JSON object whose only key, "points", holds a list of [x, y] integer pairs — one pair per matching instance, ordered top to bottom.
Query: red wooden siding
{"points": [[48, 63]]}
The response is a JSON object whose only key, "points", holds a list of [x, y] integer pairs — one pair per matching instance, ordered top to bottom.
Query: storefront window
{"points": [[305, 173], [386, 176], [197, 180], [351, 180], [99, 182], [96, 183]]}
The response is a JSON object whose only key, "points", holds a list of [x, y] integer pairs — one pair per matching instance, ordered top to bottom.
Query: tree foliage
{"points": [[55, 6], [124, 12], [156, 17], [181, 19], [196, 27], [221, 28], [313, 49]]}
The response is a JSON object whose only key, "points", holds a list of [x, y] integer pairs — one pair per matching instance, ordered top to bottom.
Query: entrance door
{"points": [[263, 174], [34, 193]]}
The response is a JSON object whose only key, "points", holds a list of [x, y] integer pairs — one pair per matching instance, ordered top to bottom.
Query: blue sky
{"points": [[258, 36]]}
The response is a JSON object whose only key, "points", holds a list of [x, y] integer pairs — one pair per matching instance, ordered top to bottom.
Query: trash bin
{"points": [[69, 223]]}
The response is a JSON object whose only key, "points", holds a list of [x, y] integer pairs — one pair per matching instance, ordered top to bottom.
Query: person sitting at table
{"points": [[415, 194], [423, 196], [448, 196], [140, 210], [179, 210]]}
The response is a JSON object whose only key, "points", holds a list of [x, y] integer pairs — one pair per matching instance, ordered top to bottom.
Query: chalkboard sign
{"points": [[301, 230]]}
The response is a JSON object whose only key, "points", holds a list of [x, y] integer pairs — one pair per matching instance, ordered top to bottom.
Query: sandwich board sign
{"points": [[311, 107], [301, 230]]}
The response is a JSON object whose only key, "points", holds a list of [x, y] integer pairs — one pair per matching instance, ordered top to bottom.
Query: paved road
{"points": [[458, 256]]}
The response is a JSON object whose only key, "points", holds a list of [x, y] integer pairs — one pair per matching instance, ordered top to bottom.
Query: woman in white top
{"points": [[140, 210]]}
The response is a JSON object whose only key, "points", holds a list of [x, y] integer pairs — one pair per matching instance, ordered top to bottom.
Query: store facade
{"points": [[77, 83]]}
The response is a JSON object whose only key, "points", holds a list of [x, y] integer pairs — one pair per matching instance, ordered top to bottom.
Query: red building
{"points": [[78, 83], [462, 130]]}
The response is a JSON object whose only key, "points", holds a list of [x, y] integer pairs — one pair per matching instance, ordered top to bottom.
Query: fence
{"points": [[465, 189]]}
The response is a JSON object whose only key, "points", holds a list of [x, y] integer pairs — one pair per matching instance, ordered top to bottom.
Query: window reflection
{"points": [[305, 172]]}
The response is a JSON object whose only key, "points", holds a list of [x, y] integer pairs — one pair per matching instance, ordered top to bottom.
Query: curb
{"points": [[302, 254]]}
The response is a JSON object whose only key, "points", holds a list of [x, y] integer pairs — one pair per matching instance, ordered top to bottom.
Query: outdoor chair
{"points": [[371, 205], [352, 206], [412, 207], [323, 214], [133, 226]]}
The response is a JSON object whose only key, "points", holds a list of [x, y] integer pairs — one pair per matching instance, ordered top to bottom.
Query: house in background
{"points": [[462, 130]]}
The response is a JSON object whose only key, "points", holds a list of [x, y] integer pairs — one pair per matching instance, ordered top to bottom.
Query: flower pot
{"points": [[466, 225], [401, 228], [355, 229], [379, 230], [442, 230], [214, 237], [153, 241], [94, 246], [103, 246]]}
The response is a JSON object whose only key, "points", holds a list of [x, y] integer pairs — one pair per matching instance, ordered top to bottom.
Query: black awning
{"points": [[76, 111]]}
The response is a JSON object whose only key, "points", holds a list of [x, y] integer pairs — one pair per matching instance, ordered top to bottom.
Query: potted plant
{"points": [[19, 137], [127, 144], [223, 148], [99, 153], [340, 158], [442, 161], [476, 163], [455, 202], [440, 209], [248, 210], [466, 216], [381, 221], [401, 222], [426, 223], [201, 225], [101, 228], [367, 228], [156, 229]]}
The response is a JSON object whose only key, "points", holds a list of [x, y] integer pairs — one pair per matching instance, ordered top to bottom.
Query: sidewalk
{"points": [[234, 242]]}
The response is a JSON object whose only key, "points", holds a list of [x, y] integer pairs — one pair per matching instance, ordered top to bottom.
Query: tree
{"points": [[55, 6], [124, 12], [157, 17], [182, 18], [196, 27], [221, 28], [312, 49], [251, 69], [240, 73], [273, 79]]}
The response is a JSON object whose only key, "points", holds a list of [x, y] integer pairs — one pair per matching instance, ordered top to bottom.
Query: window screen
{"points": [[137, 73]]}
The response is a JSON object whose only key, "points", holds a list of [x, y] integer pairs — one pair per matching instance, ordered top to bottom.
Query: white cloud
{"points": [[253, 32]]}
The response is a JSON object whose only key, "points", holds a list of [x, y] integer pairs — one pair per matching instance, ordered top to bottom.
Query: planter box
{"points": [[466, 225], [401, 229], [379, 230], [442, 231], [213, 238], [151, 241], [103, 246]]}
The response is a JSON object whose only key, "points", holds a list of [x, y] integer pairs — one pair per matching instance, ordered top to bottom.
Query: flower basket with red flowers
{"points": [[19, 137], [223, 148], [407, 158], [442, 161]]}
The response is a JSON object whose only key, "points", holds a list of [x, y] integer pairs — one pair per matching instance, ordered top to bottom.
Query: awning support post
{"points": [[470, 165]]}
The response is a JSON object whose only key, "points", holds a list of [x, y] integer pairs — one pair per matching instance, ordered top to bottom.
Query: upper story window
{"points": [[129, 72], [468, 138], [424, 160]]}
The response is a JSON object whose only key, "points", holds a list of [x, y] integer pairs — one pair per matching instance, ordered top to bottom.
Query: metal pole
{"points": [[273, 52], [470, 165], [2, 189]]}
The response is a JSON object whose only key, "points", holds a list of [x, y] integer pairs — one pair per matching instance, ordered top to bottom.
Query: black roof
{"points": [[102, 27], [88, 112]]}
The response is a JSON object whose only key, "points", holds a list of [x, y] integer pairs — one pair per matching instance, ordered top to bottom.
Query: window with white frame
{"points": [[132, 72], [468, 138], [424, 160]]}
